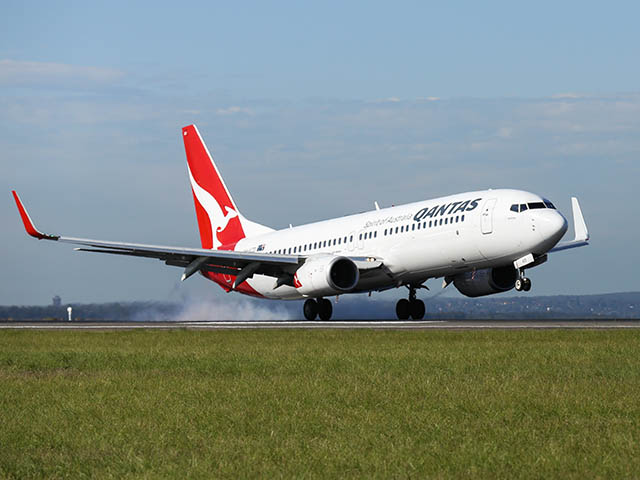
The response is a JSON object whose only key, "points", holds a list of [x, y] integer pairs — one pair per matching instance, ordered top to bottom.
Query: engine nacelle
{"points": [[326, 275], [486, 282]]}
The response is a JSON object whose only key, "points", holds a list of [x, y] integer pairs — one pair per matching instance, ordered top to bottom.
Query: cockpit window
{"points": [[535, 205], [532, 206]]}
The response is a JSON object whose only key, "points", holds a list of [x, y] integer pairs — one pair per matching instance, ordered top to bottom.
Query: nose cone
{"points": [[552, 226]]}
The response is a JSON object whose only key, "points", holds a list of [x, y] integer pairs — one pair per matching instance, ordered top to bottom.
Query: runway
{"points": [[344, 324]]}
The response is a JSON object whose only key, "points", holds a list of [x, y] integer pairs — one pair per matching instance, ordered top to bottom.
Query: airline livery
{"points": [[482, 242]]}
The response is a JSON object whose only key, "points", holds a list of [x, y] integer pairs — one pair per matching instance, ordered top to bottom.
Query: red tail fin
{"points": [[218, 217]]}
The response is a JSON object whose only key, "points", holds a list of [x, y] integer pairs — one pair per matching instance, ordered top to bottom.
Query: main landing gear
{"points": [[522, 283], [321, 307], [412, 307]]}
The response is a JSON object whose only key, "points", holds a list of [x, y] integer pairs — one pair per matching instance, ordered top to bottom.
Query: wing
{"points": [[192, 260], [242, 265]]}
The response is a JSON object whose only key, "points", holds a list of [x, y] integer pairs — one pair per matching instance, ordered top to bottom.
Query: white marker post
{"points": [[69, 310]]}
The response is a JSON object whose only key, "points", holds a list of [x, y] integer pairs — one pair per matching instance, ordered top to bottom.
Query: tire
{"points": [[519, 284], [527, 285], [310, 309], [325, 309], [402, 309], [417, 309]]}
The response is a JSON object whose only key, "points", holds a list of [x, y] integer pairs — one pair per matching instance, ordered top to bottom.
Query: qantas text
{"points": [[448, 209]]}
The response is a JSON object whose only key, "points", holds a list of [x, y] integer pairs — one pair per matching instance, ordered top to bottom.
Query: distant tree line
{"points": [[615, 305], [117, 311]]}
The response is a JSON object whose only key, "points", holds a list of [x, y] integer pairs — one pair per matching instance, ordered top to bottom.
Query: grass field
{"points": [[320, 403]]}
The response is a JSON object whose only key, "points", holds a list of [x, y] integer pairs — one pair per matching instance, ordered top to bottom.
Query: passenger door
{"points": [[487, 216]]}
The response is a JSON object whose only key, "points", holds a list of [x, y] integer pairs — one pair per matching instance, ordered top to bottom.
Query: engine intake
{"points": [[326, 275], [486, 282]]}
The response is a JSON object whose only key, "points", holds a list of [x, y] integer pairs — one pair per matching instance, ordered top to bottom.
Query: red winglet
{"points": [[28, 224]]}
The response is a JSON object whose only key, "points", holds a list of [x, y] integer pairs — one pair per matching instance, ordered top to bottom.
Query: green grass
{"points": [[319, 403]]}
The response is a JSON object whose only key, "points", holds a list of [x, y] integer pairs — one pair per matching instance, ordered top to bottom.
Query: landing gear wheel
{"points": [[519, 284], [526, 284], [310, 309], [325, 309], [403, 309], [417, 310]]}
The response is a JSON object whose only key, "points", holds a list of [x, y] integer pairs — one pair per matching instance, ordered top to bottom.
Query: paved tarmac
{"points": [[338, 324]]}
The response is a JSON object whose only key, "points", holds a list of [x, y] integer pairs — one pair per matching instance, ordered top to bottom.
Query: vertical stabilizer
{"points": [[221, 224]]}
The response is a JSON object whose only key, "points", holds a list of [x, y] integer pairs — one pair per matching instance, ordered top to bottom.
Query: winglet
{"points": [[28, 224], [579, 225], [580, 228]]}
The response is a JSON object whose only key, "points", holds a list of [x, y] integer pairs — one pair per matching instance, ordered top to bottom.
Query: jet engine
{"points": [[326, 275], [486, 282]]}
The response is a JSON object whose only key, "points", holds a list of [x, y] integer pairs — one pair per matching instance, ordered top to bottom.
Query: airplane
{"points": [[482, 242]]}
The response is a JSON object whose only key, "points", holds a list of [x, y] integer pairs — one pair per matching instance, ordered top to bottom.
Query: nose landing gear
{"points": [[522, 283], [320, 307], [412, 307]]}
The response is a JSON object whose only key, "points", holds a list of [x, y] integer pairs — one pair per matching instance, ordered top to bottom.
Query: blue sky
{"points": [[312, 111]]}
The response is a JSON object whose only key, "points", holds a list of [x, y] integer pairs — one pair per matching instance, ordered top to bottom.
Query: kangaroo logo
{"points": [[219, 219]]}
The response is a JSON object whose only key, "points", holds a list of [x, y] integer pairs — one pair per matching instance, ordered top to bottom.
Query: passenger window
{"points": [[457, 218], [462, 218], [446, 220], [440, 221], [430, 224], [419, 225], [413, 227], [396, 229], [375, 234], [351, 238], [345, 239]]}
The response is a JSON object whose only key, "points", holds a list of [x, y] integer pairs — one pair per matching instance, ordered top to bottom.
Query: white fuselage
{"points": [[421, 240]]}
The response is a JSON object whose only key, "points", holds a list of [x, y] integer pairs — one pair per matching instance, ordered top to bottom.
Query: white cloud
{"points": [[23, 73], [568, 95], [234, 110], [504, 132], [402, 152]]}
